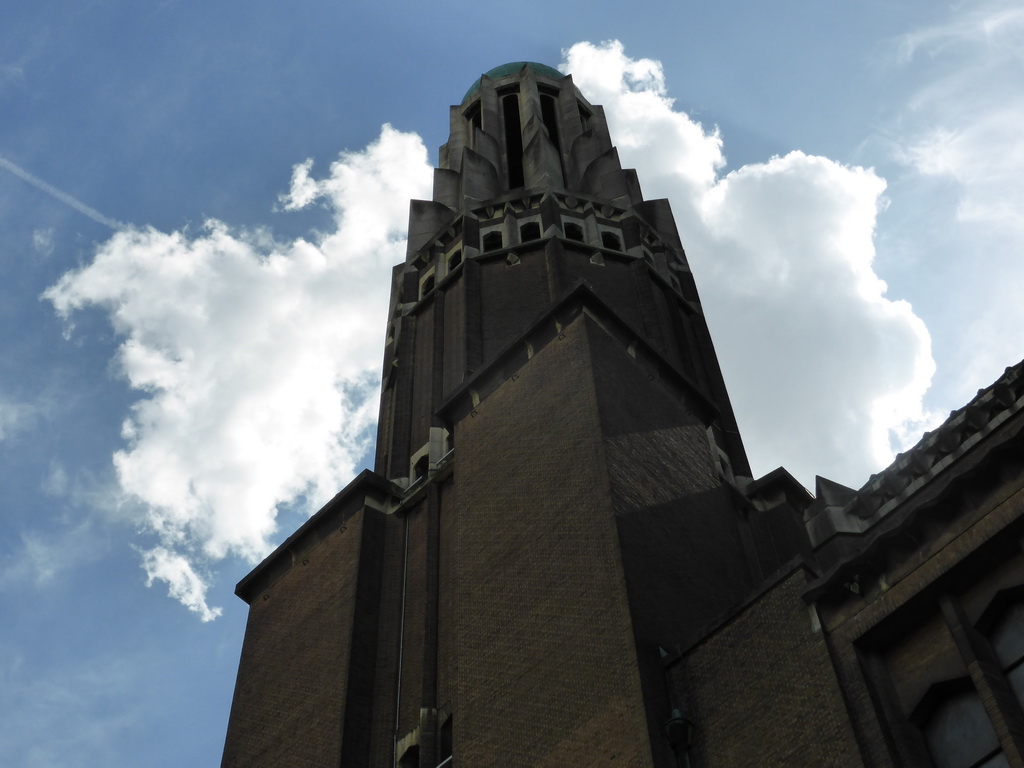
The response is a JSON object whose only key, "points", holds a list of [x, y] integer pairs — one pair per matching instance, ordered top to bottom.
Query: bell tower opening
{"points": [[549, 115], [513, 140]]}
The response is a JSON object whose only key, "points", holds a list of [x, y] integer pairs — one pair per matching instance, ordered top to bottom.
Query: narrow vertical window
{"points": [[549, 113], [584, 117], [474, 118], [474, 123], [513, 141], [444, 751]]}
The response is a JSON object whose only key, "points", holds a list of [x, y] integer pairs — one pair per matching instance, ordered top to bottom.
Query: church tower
{"points": [[556, 495]]}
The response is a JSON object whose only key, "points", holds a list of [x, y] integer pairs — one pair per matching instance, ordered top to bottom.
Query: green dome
{"points": [[512, 68]]}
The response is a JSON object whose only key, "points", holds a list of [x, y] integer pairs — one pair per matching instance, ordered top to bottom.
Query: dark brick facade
{"points": [[561, 559], [310, 636], [547, 668], [761, 691]]}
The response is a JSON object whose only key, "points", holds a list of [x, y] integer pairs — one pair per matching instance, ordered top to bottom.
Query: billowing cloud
{"points": [[258, 360], [826, 372], [184, 584]]}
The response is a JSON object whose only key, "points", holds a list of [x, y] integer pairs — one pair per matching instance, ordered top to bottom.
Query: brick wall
{"points": [[679, 534], [307, 637], [545, 666], [761, 690]]}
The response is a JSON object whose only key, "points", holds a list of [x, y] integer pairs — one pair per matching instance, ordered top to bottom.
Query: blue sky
{"points": [[199, 207]]}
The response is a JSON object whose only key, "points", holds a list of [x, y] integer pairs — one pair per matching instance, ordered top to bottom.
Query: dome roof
{"points": [[512, 68]]}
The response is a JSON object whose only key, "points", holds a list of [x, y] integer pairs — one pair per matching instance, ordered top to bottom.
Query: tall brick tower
{"points": [[555, 495]]}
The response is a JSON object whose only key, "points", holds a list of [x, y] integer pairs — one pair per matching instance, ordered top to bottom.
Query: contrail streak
{"points": [[64, 197]]}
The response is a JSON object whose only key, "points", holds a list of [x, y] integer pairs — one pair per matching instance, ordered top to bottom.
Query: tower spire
{"points": [[529, 179]]}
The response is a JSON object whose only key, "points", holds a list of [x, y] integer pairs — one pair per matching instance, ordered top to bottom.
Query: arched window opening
{"points": [[513, 140], [529, 231], [574, 232], [611, 240], [493, 241], [426, 285], [960, 735]]}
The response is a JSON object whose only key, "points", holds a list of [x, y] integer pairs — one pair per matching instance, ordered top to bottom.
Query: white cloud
{"points": [[259, 360], [825, 372], [183, 583]]}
